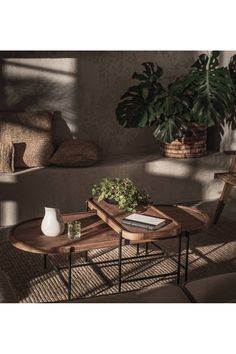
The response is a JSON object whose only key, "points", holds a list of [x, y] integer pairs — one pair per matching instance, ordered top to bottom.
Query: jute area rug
{"points": [[211, 252]]}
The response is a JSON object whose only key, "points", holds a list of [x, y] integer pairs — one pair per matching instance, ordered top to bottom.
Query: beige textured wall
{"points": [[86, 87]]}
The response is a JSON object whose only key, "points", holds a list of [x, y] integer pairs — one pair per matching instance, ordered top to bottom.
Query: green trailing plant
{"points": [[204, 96], [121, 190]]}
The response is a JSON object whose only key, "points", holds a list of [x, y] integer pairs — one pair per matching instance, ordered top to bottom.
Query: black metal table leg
{"points": [[86, 206], [146, 247], [137, 250], [86, 256], [186, 256], [179, 258], [45, 261], [120, 263], [69, 274]]}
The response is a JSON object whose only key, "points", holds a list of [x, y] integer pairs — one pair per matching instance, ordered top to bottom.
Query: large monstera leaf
{"points": [[232, 69], [214, 89], [136, 107], [172, 117]]}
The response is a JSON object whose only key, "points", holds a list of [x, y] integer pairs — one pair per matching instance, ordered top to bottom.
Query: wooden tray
{"points": [[113, 216]]}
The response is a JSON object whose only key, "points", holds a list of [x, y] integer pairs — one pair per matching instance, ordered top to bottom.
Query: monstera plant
{"points": [[232, 71], [214, 90], [202, 98], [136, 108]]}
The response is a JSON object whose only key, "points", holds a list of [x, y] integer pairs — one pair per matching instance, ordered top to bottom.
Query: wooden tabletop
{"points": [[179, 218], [98, 232], [27, 236]]}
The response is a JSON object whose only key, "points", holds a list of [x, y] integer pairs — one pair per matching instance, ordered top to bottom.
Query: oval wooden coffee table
{"points": [[181, 221], [98, 232], [27, 236]]}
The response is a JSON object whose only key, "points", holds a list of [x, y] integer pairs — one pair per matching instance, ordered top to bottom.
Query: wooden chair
{"points": [[229, 179]]}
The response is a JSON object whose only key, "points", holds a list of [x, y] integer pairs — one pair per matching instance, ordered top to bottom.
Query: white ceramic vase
{"points": [[52, 224]]}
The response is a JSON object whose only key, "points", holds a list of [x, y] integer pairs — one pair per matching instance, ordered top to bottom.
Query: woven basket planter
{"points": [[192, 145]]}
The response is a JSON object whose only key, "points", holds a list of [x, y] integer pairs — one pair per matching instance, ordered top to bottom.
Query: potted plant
{"points": [[182, 112], [120, 191]]}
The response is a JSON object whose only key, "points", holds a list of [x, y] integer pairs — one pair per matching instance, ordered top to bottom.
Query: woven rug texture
{"points": [[211, 252]]}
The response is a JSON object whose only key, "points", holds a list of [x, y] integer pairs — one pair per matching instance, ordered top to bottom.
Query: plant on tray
{"points": [[181, 113], [121, 191]]}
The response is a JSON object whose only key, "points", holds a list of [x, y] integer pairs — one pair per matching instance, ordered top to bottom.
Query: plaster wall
{"points": [[85, 87]]}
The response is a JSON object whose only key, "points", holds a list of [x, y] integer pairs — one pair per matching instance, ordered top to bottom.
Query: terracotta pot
{"points": [[193, 144]]}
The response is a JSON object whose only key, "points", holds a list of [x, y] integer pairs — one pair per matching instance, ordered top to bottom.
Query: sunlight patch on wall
{"points": [[62, 69], [41, 84], [8, 178], [8, 212]]}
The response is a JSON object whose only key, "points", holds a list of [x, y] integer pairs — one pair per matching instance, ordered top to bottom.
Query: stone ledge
{"points": [[25, 193]]}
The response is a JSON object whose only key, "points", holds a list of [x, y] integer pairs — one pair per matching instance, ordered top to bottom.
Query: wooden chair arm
{"points": [[230, 152], [219, 174]]}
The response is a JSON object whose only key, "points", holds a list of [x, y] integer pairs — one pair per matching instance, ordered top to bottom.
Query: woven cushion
{"points": [[60, 130], [31, 134], [75, 153], [6, 158]]}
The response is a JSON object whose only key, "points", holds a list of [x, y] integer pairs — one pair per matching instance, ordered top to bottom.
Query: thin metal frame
{"points": [[186, 256], [179, 257], [125, 260], [45, 261], [119, 261], [120, 264], [70, 273]]}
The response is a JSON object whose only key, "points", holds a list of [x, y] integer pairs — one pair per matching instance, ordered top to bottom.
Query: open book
{"points": [[144, 221]]}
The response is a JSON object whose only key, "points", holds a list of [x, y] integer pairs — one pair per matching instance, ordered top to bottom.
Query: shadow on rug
{"points": [[211, 252]]}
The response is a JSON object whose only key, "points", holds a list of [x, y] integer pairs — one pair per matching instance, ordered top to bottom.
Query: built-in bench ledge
{"points": [[25, 193]]}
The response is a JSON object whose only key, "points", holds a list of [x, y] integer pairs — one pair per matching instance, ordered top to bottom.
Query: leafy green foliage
{"points": [[232, 69], [232, 72], [213, 88], [206, 95], [136, 106], [172, 113], [122, 190]]}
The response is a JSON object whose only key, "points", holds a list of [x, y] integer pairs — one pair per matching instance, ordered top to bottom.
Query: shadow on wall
{"points": [[102, 78], [86, 87], [35, 88], [24, 93], [36, 189]]}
